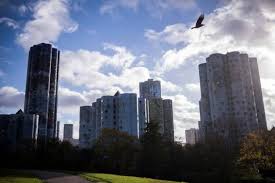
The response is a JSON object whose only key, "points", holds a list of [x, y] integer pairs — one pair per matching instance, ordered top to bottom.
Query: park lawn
{"points": [[13, 176], [109, 178], [12, 179]]}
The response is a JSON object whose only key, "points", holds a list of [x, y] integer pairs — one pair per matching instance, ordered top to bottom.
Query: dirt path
{"points": [[58, 177]]}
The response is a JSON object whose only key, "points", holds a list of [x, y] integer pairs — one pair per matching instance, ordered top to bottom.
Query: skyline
{"points": [[159, 45]]}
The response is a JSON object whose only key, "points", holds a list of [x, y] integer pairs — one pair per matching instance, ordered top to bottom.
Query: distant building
{"points": [[42, 87], [150, 89], [231, 102], [97, 105], [152, 108], [115, 112], [155, 112], [126, 119], [168, 119], [87, 126], [17, 128], [68, 132], [68, 135], [192, 136]]}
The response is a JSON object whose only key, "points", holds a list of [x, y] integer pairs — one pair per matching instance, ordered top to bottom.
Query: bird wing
{"points": [[200, 19]]}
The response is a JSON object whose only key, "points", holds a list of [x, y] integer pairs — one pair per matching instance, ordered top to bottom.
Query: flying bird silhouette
{"points": [[199, 22]]}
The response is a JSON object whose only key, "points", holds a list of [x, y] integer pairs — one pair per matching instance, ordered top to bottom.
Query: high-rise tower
{"points": [[42, 87], [150, 89], [231, 102], [152, 108], [114, 112]]}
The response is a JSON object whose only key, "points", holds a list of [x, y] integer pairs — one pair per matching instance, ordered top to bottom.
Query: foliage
{"points": [[115, 152], [257, 153], [151, 156]]}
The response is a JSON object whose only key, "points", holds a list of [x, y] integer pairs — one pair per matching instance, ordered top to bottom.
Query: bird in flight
{"points": [[199, 22]]}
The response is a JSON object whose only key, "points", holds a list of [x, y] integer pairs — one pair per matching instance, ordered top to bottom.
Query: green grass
{"points": [[15, 176], [109, 178], [12, 179]]}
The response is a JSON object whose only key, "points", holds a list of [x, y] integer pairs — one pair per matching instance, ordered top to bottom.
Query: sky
{"points": [[110, 45]]}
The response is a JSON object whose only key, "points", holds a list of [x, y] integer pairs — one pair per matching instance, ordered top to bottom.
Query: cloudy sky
{"points": [[110, 45]]}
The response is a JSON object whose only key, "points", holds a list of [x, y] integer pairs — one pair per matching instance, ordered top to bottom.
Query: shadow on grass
{"points": [[15, 173], [26, 173]]}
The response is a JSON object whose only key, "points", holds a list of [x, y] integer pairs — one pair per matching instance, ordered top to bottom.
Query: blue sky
{"points": [[113, 45]]}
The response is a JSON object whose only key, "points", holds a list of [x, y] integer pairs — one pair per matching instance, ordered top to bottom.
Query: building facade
{"points": [[42, 87], [150, 89], [231, 103], [152, 108], [115, 112], [126, 119], [168, 119], [87, 126], [17, 128], [57, 129], [68, 132], [192, 136]]}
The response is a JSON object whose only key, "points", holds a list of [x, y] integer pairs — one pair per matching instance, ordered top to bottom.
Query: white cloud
{"points": [[109, 6], [155, 8], [158, 8], [22, 9], [50, 19], [9, 22], [229, 28], [172, 34], [123, 58], [85, 68], [193, 87], [168, 88], [268, 88], [11, 98], [186, 115]]}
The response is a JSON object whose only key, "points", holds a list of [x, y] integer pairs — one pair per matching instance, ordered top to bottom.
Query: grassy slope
{"points": [[13, 176], [109, 178], [12, 179]]}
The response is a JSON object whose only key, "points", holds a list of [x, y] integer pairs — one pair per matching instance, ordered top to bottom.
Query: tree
{"points": [[115, 152], [258, 152], [154, 154]]}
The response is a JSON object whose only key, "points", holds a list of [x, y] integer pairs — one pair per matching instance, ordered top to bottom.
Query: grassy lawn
{"points": [[12, 176], [109, 178]]}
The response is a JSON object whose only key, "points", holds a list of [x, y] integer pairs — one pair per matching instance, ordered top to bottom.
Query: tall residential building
{"points": [[42, 87], [150, 89], [231, 102], [152, 108], [115, 112], [119, 112], [126, 112], [155, 112], [168, 119], [98, 121], [87, 126], [68, 132], [192, 136]]}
